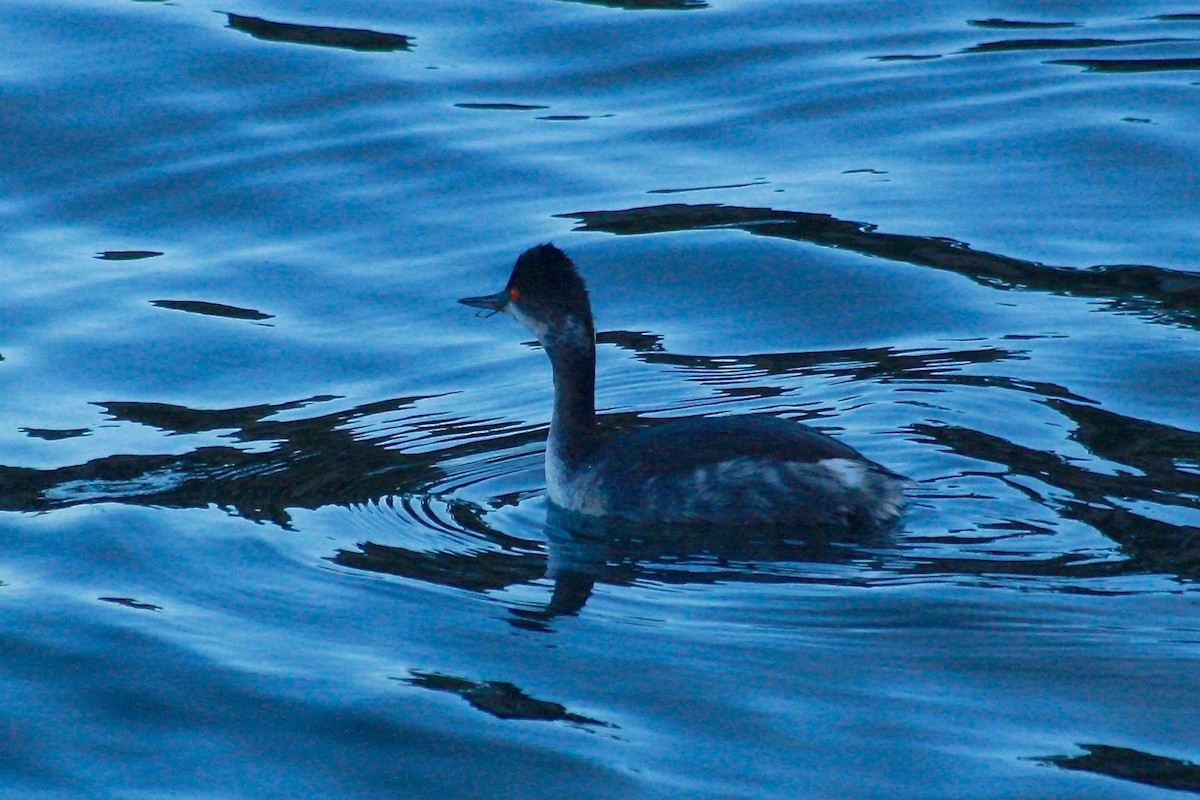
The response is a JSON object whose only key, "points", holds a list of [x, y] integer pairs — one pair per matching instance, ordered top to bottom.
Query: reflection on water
{"points": [[647, 5], [995, 22], [349, 38], [1070, 43], [1057, 44], [1132, 64], [500, 107], [126, 255], [1150, 290], [212, 309], [740, 375], [51, 435], [270, 466], [1131, 507], [272, 512], [575, 558], [130, 602], [500, 699], [1132, 765]]}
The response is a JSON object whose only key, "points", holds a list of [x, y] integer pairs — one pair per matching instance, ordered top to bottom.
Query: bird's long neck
{"points": [[573, 422]]}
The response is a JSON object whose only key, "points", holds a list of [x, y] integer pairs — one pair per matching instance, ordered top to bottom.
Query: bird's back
{"points": [[732, 471]]}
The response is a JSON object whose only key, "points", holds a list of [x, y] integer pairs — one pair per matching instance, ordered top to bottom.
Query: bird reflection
{"points": [[576, 555]]}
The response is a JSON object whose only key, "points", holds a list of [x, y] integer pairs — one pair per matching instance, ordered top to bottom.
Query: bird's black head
{"points": [[545, 294]]}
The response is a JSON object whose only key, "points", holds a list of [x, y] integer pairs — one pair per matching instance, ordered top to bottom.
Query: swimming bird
{"points": [[735, 470]]}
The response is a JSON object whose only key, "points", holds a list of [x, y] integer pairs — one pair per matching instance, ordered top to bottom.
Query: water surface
{"points": [[272, 504]]}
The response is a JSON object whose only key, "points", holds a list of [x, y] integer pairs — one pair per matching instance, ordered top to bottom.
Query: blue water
{"points": [[272, 507]]}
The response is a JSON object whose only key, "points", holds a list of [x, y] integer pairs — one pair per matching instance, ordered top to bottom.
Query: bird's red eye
{"points": [[513, 294]]}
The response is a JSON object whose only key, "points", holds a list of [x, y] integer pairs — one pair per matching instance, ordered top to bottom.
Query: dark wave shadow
{"points": [[646, 5], [1017, 24], [346, 38], [1042, 43], [1011, 45], [1131, 64], [500, 107], [126, 255], [1154, 292], [205, 308], [734, 375], [55, 434], [279, 457], [269, 466], [1127, 507], [489, 560], [500, 699], [1127, 764]]}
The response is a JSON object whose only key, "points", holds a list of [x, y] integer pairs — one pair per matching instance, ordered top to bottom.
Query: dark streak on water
{"points": [[647, 5], [1018, 24], [290, 32], [1058, 44], [1132, 64], [499, 106], [708, 188], [127, 255], [211, 309], [55, 435], [129, 602], [500, 699], [1132, 765]]}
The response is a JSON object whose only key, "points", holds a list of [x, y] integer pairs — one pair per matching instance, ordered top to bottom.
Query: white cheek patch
{"points": [[540, 329], [569, 333]]}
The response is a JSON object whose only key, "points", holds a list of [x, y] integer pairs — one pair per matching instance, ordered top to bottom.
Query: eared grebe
{"points": [[710, 470]]}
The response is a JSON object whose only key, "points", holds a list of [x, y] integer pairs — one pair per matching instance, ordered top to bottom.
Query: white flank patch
{"points": [[848, 472]]}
